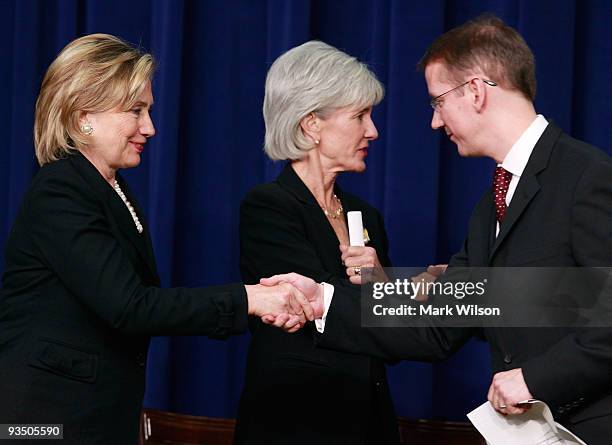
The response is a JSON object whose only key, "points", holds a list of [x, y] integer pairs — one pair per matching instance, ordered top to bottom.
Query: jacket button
{"points": [[507, 359]]}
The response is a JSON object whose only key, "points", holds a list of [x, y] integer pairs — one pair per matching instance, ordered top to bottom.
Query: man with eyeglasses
{"points": [[550, 205]]}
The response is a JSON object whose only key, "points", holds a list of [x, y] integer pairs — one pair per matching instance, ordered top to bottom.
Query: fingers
{"points": [[351, 251], [355, 255], [357, 258], [359, 269], [437, 270], [354, 273], [423, 277], [277, 279], [355, 279], [273, 280], [300, 295], [288, 296], [317, 303], [300, 304], [293, 307], [268, 319], [281, 320], [287, 322], [293, 325], [296, 328], [507, 390], [490, 395], [495, 397], [523, 407], [514, 409]]}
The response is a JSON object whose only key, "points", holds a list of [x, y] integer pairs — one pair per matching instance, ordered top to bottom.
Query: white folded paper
{"points": [[355, 226], [534, 427]]}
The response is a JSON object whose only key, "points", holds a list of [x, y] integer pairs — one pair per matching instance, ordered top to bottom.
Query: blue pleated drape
{"points": [[212, 60]]}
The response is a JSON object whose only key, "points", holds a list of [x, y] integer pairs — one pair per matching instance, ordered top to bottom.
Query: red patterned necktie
{"points": [[501, 182]]}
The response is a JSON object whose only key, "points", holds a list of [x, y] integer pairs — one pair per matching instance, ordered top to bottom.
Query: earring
{"points": [[87, 129], [317, 142]]}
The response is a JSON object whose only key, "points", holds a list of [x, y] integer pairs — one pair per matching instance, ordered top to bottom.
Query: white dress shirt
{"points": [[518, 156], [328, 293]]}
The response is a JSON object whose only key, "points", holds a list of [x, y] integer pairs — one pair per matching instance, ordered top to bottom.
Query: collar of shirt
{"points": [[518, 156], [516, 159]]}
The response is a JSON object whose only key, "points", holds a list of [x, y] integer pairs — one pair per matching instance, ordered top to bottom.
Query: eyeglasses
{"points": [[436, 102]]}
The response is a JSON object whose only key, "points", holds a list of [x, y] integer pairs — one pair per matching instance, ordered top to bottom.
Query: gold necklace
{"points": [[334, 214]]}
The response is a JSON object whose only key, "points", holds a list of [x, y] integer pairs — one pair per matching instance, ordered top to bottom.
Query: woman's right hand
{"points": [[286, 301]]}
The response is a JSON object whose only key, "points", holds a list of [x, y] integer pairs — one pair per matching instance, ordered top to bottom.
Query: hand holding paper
{"points": [[358, 256], [507, 391]]}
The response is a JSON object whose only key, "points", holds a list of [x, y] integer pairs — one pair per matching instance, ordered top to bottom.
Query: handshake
{"points": [[286, 301]]}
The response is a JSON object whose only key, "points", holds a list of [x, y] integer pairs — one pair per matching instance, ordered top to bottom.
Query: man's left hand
{"points": [[507, 390]]}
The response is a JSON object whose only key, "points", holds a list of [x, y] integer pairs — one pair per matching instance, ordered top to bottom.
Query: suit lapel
{"points": [[528, 185], [527, 188], [119, 213], [491, 224], [326, 241]]}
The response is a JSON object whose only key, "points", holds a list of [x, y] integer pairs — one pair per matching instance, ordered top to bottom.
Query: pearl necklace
{"points": [[128, 205], [334, 214]]}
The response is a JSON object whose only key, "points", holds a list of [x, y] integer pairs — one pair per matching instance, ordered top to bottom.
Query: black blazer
{"points": [[560, 215], [80, 299], [294, 392]]}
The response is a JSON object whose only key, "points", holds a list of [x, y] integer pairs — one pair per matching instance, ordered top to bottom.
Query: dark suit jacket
{"points": [[560, 215], [81, 297], [294, 392]]}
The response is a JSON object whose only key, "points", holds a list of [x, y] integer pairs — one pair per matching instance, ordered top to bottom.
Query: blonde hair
{"points": [[93, 73], [312, 78]]}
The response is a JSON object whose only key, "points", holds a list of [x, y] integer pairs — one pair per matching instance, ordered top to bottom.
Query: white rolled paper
{"points": [[355, 226]]}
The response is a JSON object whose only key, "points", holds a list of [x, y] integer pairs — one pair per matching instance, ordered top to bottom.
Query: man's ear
{"points": [[479, 93], [311, 127]]}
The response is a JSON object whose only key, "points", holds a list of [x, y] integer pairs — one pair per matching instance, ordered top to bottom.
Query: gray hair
{"points": [[312, 78]]}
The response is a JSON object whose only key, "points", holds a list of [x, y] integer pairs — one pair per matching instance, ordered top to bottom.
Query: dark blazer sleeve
{"points": [[70, 232], [343, 331], [584, 357]]}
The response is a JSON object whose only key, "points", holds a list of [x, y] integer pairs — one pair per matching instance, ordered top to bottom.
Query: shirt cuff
{"points": [[328, 294]]}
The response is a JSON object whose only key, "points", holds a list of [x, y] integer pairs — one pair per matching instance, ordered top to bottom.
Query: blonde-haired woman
{"points": [[318, 115], [81, 292]]}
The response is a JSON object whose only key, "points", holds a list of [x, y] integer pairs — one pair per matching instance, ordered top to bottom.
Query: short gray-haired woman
{"points": [[318, 115], [81, 293]]}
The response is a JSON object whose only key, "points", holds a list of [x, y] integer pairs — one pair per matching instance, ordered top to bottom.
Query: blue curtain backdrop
{"points": [[213, 56]]}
